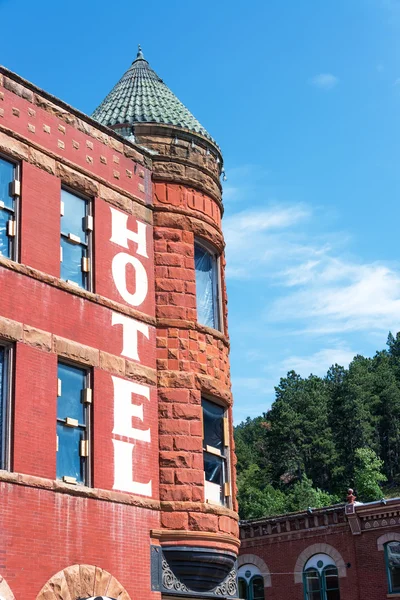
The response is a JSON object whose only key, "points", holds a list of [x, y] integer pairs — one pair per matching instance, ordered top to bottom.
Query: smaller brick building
{"points": [[343, 552]]}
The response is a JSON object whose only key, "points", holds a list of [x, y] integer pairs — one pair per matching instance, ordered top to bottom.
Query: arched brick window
{"points": [[390, 544], [318, 549], [253, 577], [321, 579], [83, 582]]}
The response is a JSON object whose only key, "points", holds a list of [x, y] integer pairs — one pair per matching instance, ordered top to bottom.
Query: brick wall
{"points": [[47, 525], [285, 543]]}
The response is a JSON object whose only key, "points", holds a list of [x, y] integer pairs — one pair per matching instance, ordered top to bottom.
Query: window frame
{"points": [[89, 204], [14, 241], [216, 282], [7, 405], [87, 428], [226, 499], [322, 581], [250, 586], [392, 590]]}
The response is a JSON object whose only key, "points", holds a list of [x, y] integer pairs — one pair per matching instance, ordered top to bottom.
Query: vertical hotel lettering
{"points": [[129, 396]]}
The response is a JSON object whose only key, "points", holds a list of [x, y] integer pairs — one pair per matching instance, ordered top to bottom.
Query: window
{"points": [[9, 193], [76, 228], [207, 286], [5, 395], [73, 419], [215, 442], [392, 556], [320, 578], [251, 583]]}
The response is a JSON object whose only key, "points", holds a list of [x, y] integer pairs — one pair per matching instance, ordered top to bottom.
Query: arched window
{"points": [[392, 557], [320, 578], [251, 583]]}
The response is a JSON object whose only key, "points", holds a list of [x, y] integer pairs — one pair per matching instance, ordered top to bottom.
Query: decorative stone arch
{"points": [[387, 537], [318, 549], [244, 559], [82, 581], [5, 592]]}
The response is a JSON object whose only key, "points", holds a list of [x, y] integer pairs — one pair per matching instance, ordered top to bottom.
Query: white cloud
{"points": [[324, 81], [276, 217], [254, 238], [316, 287], [337, 296], [319, 362]]}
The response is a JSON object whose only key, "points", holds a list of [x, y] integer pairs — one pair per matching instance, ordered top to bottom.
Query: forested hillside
{"points": [[323, 435]]}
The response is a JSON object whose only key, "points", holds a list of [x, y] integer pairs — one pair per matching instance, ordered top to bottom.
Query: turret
{"points": [[198, 533]]}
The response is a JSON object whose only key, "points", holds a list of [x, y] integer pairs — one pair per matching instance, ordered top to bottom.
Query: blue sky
{"points": [[304, 98]]}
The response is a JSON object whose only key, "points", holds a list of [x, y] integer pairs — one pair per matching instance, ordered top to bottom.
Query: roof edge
{"points": [[81, 115]]}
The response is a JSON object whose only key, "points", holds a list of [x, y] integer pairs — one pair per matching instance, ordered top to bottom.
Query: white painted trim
{"points": [[387, 537], [318, 549], [244, 559], [5, 591]]}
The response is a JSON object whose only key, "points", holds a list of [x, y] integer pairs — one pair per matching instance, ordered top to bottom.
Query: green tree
{"points": [[387, 390], [353, 418], [321, 434], [300, 437], [251, 446], [368, 475], [304, 495], [255, 500]]}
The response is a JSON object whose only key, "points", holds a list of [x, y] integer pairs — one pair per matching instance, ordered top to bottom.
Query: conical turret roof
{"points": [[141, 96]]}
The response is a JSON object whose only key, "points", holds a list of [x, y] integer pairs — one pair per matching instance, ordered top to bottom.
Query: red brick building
{"points": [[116, 451], [344, 552]]}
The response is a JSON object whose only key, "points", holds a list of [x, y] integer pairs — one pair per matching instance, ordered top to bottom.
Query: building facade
{"points": [[116, 449], [344, 552]]}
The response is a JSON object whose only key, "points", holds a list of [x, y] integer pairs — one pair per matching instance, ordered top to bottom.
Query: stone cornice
{"points": [[295, 523], [183, 536]]}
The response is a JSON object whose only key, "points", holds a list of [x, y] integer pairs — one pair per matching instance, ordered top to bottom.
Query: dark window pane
{"points": [[6, 177], [74, 213], [4, 239], [71, 265], [205, 287], [70, 404], [2, 405], [213, 424], [69, 461], [213, 468], [393, 557], [331, 578], [313, 585], [258, 588], [243, 589], [333, 595]]}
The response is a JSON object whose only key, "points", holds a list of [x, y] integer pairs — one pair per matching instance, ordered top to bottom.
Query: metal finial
{"points": [[140, 53]]}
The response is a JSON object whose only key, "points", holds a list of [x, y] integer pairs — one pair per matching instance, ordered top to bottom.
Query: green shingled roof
{"points": [[140, 96]]}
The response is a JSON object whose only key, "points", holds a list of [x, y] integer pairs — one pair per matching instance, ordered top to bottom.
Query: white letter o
{"points": [[119, 264]]}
